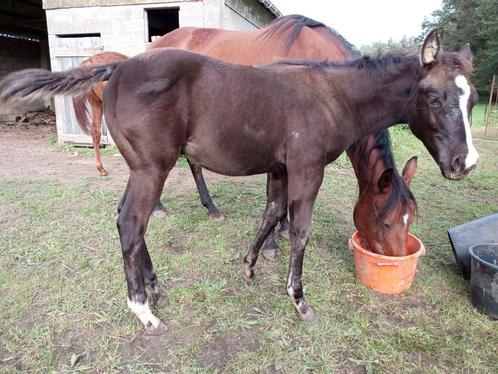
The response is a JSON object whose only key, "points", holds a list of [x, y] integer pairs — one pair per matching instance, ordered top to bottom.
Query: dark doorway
{"points": [[161, 21]]}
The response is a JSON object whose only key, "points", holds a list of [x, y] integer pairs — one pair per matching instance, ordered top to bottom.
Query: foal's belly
{"points": [[231, 159]]}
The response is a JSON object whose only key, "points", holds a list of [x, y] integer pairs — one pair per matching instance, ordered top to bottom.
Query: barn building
{"points": [[78, 29], [23, 43]]}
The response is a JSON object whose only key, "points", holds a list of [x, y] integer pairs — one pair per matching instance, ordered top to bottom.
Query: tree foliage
{"points": [[474, 22], [405, 45]]}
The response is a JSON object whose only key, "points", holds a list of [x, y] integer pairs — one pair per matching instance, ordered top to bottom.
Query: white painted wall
{"points": [[234, 21]]}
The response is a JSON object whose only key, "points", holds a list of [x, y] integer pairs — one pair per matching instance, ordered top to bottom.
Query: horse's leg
{"points": [[97, 113], [303, 189], [143, 191], [123, 198], [206, 200], [275, 208], [159, 210], [283, 231], [271, 251]]}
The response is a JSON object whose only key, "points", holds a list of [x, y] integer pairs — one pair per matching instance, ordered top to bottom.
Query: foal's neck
{"points": [[379, 93]]}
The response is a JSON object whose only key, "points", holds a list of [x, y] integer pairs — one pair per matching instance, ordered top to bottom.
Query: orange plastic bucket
{"points": [[386, 274]]}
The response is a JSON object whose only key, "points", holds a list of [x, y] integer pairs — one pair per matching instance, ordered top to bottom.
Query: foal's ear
{"points": [[430, 48], [466, 53], [409, 170], [386, 180]]}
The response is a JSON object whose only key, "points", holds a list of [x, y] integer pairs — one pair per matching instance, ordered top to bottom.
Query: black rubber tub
{"points": [[482, 230], [484, 278]]}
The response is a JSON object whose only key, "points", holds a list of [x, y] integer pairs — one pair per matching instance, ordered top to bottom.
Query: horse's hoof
{"points": [[103, 173], [160, 213], [216, 216], [284, 233], [271, 254], [249, 274], [155, 298], [304, 311], [309, 315], [159, 330]]}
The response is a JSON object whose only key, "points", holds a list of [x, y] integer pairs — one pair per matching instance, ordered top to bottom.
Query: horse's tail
{"points": [[31, 84], [81, 112]]}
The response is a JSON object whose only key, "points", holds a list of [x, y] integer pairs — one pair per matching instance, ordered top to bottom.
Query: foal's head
{"points": [[443, 100], [386, 207]]}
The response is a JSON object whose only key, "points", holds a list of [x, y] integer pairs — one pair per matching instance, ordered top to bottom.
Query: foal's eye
{"points": [[433, 101], [386, 226]]}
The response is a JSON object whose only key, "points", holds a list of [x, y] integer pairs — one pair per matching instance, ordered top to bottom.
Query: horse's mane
{"points": [[297, 22], [384, 62], [400, 190]]}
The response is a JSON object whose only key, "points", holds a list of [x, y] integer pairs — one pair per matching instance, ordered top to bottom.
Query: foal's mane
{"points": [[296, 23], [386, 62], [400, 191]]}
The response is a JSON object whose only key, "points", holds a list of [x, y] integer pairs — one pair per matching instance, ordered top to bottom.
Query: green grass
{"points": [[63, 296]]}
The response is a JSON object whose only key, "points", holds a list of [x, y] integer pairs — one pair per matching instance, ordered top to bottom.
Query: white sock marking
{"points": [[472, 154], [142, 311]]}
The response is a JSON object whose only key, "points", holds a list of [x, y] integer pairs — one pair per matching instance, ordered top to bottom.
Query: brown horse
{"points": [[291, 36], [288, 119], [384, 195]]}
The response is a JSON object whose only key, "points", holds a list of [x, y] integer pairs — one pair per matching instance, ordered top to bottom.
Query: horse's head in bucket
{"points": [[443, 101], [386, 207]]}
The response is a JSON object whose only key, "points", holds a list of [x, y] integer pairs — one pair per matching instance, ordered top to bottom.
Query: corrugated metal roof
{"points": [[272, 8]]}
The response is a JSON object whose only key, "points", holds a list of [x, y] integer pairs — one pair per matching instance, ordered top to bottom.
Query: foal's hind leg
{"points": [[97, 113], [144, 189], [303, 189], [206, 200], [275, 208], [283, 231], [271, 251]]}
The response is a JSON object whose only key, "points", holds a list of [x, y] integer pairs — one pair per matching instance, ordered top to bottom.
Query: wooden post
{"points": [[490, 104]]}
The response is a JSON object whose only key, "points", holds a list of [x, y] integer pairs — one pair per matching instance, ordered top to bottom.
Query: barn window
{"points": [[161, 21]]}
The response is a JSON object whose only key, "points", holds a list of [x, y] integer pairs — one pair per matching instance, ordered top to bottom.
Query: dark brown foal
{"points": [[287, 119]]}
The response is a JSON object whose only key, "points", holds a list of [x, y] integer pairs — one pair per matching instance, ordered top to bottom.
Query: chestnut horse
{"points": [[293, 36], [94, 99], [288, 119]]}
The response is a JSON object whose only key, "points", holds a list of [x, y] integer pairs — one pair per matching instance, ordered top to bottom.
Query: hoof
{"points": [[103, 173], [160, 213], [216, 216], [284, 233], [271, 254], [249, 274], [155, 298], [304, 311], [309, 316], [159, 330]]}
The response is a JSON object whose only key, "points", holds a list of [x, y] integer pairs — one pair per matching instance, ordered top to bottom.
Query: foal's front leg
{"points": [[303, 189]]}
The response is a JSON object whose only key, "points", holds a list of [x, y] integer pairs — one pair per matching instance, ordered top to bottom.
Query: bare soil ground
{"points": [[29, 154]]}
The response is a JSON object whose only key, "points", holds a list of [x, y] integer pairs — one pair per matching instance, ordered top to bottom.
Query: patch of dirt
{"points": [[29, 154], [155, 350], [220, 350], [423, 360]]}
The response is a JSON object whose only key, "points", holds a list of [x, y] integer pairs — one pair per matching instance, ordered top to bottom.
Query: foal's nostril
{"points": [[458, 163]]}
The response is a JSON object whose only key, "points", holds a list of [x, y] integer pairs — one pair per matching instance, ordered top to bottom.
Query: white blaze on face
{"points": [[472, 154], [405, 219], [142, 311]]}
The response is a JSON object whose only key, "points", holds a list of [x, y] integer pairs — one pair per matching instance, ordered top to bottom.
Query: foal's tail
{"points": [[31, 84]]}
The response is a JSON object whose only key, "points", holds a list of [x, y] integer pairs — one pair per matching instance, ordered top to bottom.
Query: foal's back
{"points": [[173, 97]]}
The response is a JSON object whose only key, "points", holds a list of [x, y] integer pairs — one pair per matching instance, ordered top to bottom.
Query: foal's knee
{"points": [[130, 234]]}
